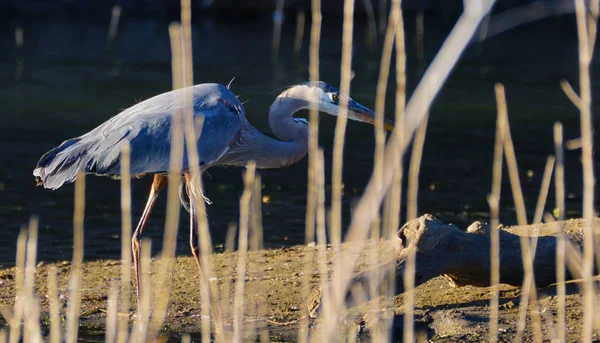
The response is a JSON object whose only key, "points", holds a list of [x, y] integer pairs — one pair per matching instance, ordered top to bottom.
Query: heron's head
{"points": [[328, 100]]}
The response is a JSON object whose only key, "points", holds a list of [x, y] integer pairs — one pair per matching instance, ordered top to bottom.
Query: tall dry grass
{"points": [[586, 31], [313, 160], [559, 186], [369, 218]]}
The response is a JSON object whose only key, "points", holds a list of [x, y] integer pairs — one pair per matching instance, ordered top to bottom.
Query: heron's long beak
{"points": [[359, 112]]}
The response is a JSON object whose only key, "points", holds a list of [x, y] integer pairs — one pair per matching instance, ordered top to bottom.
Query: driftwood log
{"points": [[463, 257]]}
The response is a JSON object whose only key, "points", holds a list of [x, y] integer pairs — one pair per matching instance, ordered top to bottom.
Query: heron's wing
{"points": [[147, 128], [151, 142]]}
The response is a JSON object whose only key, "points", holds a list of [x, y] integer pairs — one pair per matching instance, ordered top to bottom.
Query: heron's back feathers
{"points": [[147, 128]]}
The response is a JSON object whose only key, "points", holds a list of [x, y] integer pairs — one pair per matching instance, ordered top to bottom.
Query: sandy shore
{"points": [[274, 297]]}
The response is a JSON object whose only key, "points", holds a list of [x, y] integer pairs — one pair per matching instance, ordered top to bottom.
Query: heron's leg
{"points": [[157, 186], [193, 222], [214, 306]]}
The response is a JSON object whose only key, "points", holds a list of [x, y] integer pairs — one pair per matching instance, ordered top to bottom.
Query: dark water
{"points": [[70, 84]]}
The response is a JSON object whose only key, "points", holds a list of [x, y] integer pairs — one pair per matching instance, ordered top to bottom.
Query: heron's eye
{"points": [[335, 97]]}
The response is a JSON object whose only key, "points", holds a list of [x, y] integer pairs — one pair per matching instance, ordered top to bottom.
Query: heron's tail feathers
{"points": [[61, 164]]}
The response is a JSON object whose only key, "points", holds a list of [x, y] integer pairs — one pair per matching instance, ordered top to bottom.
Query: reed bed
{"points": [[231, 288]]}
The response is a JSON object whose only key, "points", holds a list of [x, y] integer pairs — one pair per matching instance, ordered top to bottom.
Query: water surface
{"points": [[71, 83]]}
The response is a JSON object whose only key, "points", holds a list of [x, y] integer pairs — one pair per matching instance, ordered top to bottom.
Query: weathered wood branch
{"points": [[463, 257]]}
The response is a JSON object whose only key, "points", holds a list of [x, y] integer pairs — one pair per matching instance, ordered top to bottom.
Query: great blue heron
{"points": [[227, 138]]}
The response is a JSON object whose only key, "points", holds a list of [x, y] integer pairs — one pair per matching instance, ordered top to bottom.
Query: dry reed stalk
{"points": [[300, 21], [277, 23], [371, 23], [592, 25], [113, 26], [587, 36], [384, 70], [187, 73], [183, 77], [400, 77], [382, 82], [428, 88], [570, 93], [380, 97], [340, 127], [192, 130], [340, 130], [313, 142], [573, 144], [338, 148], [511, 161], [414, 169], [513, 173], [174, 180], [559, 185], [396, 191], [394, 195], [494, 202], [197, 205], [392, 205], [393, 208], [537, 220], [256, 227], [230, 238], [256, 245], [528, 250], [573, 255], [227, 288], [209, 292], [409, 295], [54, 304], [326, 305], [306, 306], [112, 313], [238, 313], [547, 317], [14, 318], [123, 321], [72, 324], [31, 327], [375, 328], [32, 331], [140, 332], [3, 336], [186, 338]]}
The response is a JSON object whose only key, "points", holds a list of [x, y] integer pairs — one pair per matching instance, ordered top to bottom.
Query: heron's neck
{"points": [[282, 121], [291, 132], [267, 152]]}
